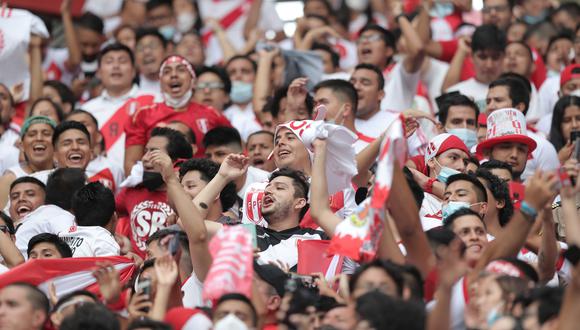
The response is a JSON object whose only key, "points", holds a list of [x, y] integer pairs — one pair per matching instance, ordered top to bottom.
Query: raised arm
{"points": [[253, 18], [70, 35], [225, 44], [415, 49], [453, 75], [36, 78], [262, 83], [319, 206], [191, 219], [549, 248], [9, 251]]}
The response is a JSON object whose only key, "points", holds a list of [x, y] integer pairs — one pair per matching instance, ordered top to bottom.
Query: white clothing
{"points": [[54, 66], [433, 78], [147, 86], [400, 88], [474, 89], [548, 94], [535, 111], [243, 119], [376, 125], [9, 154], [545, 157], [17, 170], [106, 172], [254, 175], [430, 212], [45, 219], [90, 241], [192, 290]]}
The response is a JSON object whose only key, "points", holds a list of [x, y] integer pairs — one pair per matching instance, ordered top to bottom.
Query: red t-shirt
{"points": [[198, 117], [146, 212]]}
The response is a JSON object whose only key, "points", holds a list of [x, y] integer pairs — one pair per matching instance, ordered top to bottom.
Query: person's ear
{"points": [[381, 94], [521, 106], [301, 203], [499, 204], [483, 209], [274, 303], [56, 319]]}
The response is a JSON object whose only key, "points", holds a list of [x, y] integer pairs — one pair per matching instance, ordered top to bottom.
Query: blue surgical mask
{"points": [[441, 10], [531, 20], [167, 31], [241, 92], [468, 136], [445, 172], [452, 207], [493, 316]]}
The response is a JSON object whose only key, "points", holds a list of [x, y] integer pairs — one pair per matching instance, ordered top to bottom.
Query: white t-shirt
{"points": [[54, 68], [433, 78], [152, 87], [400, 88], [474, 89], [548, 94], [243, 119], [376, 125], [9, 154], [545, 157], [106, 171], [254, 175], [430, 212], [45, 219], [90, 241], [192, 290]]}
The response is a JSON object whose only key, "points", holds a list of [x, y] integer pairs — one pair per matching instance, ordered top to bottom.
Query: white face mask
{"points": [[185, 21], [177, 102], [230, 322]]}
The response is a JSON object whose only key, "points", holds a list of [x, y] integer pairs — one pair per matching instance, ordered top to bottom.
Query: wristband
{"points": [[429, 185], [528, 211]]}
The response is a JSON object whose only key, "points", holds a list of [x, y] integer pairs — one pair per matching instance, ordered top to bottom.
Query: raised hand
{"points": [[297, 92], [163, 163], [234, 166], [540, 189], [166, 270], [109, 282], [139, 305]]}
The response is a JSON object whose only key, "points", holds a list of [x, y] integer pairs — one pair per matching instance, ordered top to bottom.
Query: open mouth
{"points": [[366, 51], [148, 60], [116, 75], [175, 86], [39, 148], [283, 153], [76, 158], [258, 161], [267, 201], [23, 210], [475, 248]]}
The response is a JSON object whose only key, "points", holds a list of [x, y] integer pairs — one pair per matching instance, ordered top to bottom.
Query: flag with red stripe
{"points": [[313, 258], [68, 274]]}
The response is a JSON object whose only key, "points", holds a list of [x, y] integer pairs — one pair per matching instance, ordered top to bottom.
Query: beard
{"points": [[278, 211]]}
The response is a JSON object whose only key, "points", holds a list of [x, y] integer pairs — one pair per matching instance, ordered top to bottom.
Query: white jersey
{"points": [[54, 67], [152, 87], [400, 88], [474, 89], [548, 94], [243, 119], [9, 153], [544, 157], [17, 170], [106, 172], [254, 175], [430, 212], [45, 219], [90, 241], [192, 292]]}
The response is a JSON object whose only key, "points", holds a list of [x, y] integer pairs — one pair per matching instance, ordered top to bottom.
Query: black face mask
{"points": [[152, 180]]}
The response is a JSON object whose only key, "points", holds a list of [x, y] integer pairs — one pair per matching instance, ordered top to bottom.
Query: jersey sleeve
{"points": [[449, 48], [136, 128], [107, 246]]}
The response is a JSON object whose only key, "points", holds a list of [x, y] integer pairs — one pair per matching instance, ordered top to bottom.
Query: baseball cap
{"points": [[570, 72], [443, 142], [273, 276]]}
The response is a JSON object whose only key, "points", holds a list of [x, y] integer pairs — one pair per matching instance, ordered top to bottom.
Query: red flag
{"points": [[312, 258], [67, 274]]}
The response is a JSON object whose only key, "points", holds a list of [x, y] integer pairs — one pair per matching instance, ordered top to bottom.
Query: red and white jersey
{"points": [[54, 67], [400, 88], [112, 113], [243, 119], [362, 142], [108, 173], [430, 212], [45, 219], [90, 241], [192, 289]]}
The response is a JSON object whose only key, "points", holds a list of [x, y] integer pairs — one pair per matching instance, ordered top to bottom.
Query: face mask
{"points": [[357, 5], [442, 9], [531, 20], [185, 21], [167, 31], [241, 92], [576, 93], [177, 102], [469, 137], [445, 173], [152, 180], [452, 207], [493, 316], [230, 322]]}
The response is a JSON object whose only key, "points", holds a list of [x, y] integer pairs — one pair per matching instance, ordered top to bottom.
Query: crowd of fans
{"points": [[158, 128]]}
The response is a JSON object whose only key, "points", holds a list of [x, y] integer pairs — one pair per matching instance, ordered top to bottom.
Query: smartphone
{"points": [[574, 137], [565, 180], [517, 193], [252, 229], [572, 254], [307, 281], [144, 287]]}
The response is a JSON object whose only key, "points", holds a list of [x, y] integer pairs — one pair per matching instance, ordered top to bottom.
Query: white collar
{"points": [[131, 93]]}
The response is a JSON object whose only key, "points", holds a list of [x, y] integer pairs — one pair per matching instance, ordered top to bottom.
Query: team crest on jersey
{"points": [[202, 124], [146, 218]]}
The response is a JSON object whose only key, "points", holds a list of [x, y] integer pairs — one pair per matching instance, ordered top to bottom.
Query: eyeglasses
{"points": [[499, 9], [369, 38], [150, 46], [209, 85]]}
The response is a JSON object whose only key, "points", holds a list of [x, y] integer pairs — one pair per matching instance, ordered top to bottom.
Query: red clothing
{"points": [[199, 118], [420, 164], [146, 213]]}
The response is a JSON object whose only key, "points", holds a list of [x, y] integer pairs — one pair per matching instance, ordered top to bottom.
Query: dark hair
{"points": [[511, 3], [152, 4], [320, 17], [92, 22], [144, 32], [566, 34], [387, 36], [488, 37], [523, 44], [116, 47], [243, 57], [334, 57], [374, 68], [221, 73], [517, 89], [343, 90], [65, 93], [446, 101], [273, 104], [56, 107], [84, 112], [67, 125], [261, 132], [190, 136], [221, 136], [556, 137], [177, 145], [496, 164], [208, 170], [28, 179], [299, 181], [62, 184], [479, 187], [416, 189], [500, 191], [93, 205], [450, 220], [8, 221], [160, 234], [439, 236], [60, 245], [389, 267], [413, 280], [34, 295], [69, 296], [242, 298], [549, 301], [373, 306], [91, 317], [147, 323]]}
